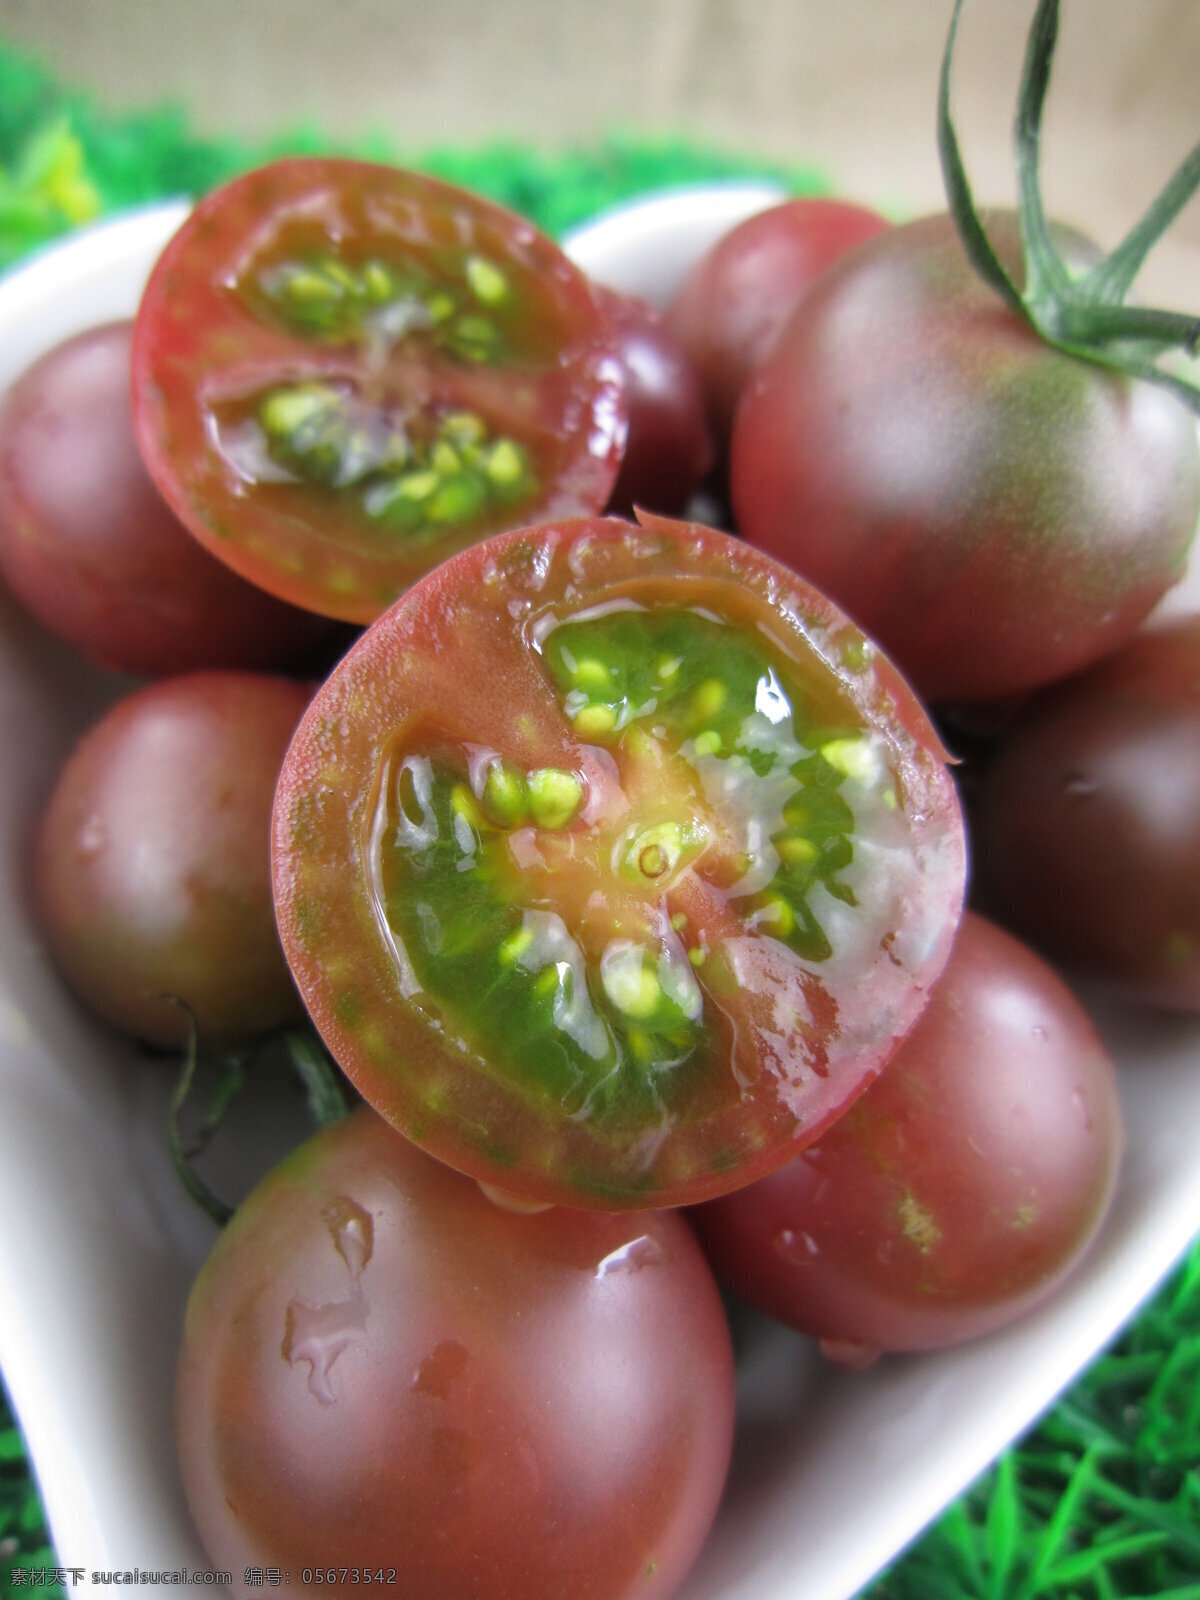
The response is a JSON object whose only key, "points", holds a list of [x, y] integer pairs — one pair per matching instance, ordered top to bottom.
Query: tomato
{"points": [[732, 307], [344, 372], [669, 448], [996, 514], [88, 545], [1087, 820], [612, 861], [152, 863], [960, 1190], [383, 1371]]}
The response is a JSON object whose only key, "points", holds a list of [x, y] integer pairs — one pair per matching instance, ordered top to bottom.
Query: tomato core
{"points": [[576, 925]]}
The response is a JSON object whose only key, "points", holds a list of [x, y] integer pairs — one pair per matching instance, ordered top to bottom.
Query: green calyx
{"points": [[1082, 313]]}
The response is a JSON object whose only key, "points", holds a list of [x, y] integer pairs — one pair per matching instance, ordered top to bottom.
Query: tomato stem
{"points": [[960, 197], [1046, 275], [1110, 279], [1082, 314], [308, 1059], [321, 1080], [183, 1152]]}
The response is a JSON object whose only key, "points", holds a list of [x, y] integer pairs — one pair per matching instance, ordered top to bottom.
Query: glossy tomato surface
{"points": [[733, 305], [344, 372], [669, 449], [994, 513], [90, 547], [1087, 820], [612, 861], [152, 863], [960, 1189], [384, 1372]]}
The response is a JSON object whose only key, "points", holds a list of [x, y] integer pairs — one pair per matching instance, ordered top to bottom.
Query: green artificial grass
{"points": [[63, 162], [1100, 1500]]}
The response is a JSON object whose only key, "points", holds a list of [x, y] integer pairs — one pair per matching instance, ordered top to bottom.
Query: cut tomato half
{"points": [[345, 372], [613, 861]]}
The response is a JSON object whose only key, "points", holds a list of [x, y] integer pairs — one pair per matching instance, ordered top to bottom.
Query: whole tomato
{"points": [[733, 305], [669, 448], [994, 512], [90, 547], [1086, 820], [152, 860], [960, 1190], [386, 1379]]}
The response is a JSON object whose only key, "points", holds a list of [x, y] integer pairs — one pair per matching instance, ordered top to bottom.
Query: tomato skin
{"points": [[732, 307], [209, 345], [669, 449], [995, 513], [88, 545], [454, 656], [1087, 820], [152, 860], [955, 1194], [515, 1407]]}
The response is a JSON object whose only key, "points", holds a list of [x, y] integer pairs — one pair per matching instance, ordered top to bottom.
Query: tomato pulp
{"points": [[344, 372], [612, 861]]}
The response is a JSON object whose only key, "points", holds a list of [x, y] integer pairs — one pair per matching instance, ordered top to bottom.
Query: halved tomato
{"points": [[344, 372], [613, 861]]}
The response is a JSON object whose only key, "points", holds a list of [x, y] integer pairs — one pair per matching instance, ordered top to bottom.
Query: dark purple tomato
{"points": [[733, 305], [344, 372], [669, 449], [995, 513], [89, 546], [1087, 820], [611, 862], [152, 864], [960, 1190], [386, 1379]]}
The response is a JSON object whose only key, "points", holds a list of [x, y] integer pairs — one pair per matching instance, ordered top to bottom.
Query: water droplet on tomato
{"points": [[91, 840], [352, 1232], [796, 1247], [631, 1257], [318, 1335], [849, 1353], [439, 1370]]}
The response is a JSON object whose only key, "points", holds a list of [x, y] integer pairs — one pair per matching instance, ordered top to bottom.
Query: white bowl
{"points": [[834, 1472]]}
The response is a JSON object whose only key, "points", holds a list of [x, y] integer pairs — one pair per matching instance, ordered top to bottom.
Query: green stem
{"points": [[958, 187], [1046, 275], [1111, 279], [1084, 316], [1085, 322], [321, 1080], [183, 1153]]}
